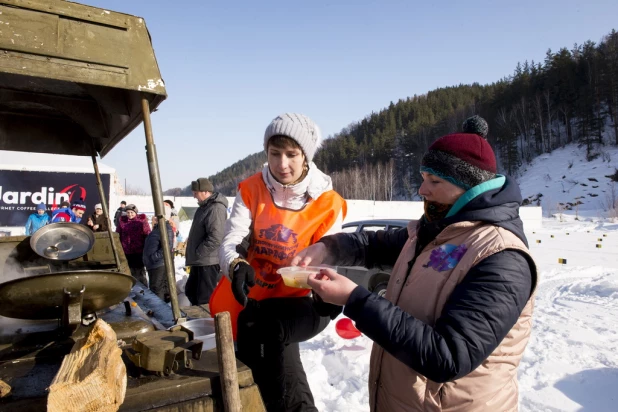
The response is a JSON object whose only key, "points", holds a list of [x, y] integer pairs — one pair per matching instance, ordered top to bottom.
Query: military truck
{"points": [[76, 80]]}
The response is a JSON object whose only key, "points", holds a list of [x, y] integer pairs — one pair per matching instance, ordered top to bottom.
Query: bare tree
{"points": [[548, 102], [538, 106], [564, 109], [521, 120], [378, 170], [390, 177], [356, 182], [373, 183], [135, 190], [611, 202]]}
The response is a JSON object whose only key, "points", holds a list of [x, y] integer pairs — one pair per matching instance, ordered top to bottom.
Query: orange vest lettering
{"points": [[278, 235]]}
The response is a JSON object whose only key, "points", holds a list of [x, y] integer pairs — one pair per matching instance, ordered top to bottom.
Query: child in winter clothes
{"points": [[287, 206], [70, 214], [172, 217], [37, 220], [133, 229], [153, 260], [456, 318]]}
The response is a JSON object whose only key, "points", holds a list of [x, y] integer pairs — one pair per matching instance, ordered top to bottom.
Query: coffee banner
{"points": [[22, 191]]}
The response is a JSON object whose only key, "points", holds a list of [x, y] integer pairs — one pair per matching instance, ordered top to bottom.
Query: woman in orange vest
{"points": [[287, 206]]}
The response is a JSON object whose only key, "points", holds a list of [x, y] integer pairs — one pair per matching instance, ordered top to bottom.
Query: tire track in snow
{"points": [[566, 337]]}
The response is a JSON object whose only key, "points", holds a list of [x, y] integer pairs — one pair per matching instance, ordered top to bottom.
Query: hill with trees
{"points": [[570, 97]]}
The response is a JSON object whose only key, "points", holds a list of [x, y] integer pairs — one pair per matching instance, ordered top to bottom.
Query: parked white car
{"points": [[374, 279]]}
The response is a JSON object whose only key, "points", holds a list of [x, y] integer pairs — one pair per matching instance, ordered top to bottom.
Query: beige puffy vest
{"points": [[492, 386]]}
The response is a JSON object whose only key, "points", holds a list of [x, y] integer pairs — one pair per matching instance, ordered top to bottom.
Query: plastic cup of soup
{"points": [[296, 276]]}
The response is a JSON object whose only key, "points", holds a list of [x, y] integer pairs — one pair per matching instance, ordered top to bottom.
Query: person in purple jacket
{"points": [[133, 229]]}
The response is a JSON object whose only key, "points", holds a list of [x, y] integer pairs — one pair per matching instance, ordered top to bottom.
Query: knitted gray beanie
{"points": [[297, 127]]}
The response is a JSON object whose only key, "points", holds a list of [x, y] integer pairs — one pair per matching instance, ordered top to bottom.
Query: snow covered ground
{"points": [[571, 363]]}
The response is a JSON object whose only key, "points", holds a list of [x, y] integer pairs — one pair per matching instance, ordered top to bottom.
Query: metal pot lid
{"points": [[62, 241], [41, 297]]}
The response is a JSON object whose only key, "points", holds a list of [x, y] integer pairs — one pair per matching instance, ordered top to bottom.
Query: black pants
{"points": [[138, 271], [157, 279], [201, 283], [268, 335]]}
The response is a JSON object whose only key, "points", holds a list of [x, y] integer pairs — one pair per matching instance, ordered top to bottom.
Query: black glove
{"points": [[243, 278], [326, 309]]}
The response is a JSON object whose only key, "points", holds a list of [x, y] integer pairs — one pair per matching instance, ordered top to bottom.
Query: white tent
{"points": [[49, 163]]}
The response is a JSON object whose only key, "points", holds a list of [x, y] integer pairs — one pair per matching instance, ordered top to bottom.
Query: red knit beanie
{"points": [[464, 159], [79, 205]]}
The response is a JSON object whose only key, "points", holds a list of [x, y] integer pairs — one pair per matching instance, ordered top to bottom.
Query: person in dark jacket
{"points": [[121, 211], [97, 221], [133, 229], [205, 236], [153, 260], [456, 318]]}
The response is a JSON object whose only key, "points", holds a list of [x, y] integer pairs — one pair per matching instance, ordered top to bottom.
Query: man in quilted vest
{"points": [[452, 328]]}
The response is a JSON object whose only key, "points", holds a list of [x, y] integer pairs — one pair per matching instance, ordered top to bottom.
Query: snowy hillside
{"points": [[565, 176]]}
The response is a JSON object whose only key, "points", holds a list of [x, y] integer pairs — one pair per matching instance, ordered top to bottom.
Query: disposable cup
{"points": [[296, 276]]}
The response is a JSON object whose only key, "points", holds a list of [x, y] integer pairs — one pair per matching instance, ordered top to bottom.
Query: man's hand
{"points": [[95, 227], [313, 255], [243, 278], [331, 286]]}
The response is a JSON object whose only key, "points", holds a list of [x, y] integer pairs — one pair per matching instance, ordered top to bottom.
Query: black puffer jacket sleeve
{"points": [[367, 249], [477, 316]]}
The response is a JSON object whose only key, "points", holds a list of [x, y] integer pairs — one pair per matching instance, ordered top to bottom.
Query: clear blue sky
{"points": [[232, 66]]}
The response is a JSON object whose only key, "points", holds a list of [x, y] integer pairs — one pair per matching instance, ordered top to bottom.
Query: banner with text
{"points": [[22, 191]]}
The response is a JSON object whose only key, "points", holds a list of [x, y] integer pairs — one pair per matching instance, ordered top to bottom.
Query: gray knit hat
{"points": [[297, 127]]}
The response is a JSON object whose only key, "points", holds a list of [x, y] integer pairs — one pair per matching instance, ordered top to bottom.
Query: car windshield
{"points": [[373, 228]]}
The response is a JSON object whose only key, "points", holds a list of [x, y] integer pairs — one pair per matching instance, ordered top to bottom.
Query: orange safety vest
{"points": [[278, 235]]}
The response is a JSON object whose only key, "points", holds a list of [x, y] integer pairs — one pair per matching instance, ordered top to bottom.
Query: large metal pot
{"points": [[62, 241], [41, 297], [204, 330]]}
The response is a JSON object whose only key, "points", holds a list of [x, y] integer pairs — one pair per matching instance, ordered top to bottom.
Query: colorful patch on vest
{"points": [[279, 233], [446, 257], [268, 271]]}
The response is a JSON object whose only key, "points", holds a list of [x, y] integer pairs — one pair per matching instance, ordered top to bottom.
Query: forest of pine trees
{"points": [[572, 96]]}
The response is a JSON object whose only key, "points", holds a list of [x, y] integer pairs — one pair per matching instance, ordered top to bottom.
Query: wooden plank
{"points": [[228, 374], [91, 377], [5, 388]]}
